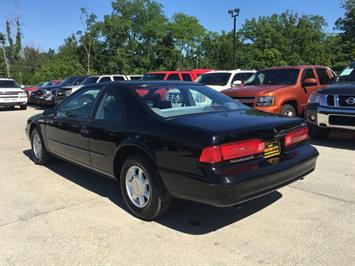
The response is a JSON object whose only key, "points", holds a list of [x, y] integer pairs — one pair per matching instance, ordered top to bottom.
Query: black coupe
{"points": [[164, 140]]}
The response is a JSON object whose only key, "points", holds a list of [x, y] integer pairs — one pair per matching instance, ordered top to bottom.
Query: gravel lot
{"points": [[64, 215]]}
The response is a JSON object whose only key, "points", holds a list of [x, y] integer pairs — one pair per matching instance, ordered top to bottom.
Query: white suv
{"points": [[224, 79], [11, 94]]}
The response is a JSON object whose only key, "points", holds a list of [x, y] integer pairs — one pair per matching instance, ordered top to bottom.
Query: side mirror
{"points": [[309, 82], [237, 83], [22, 86], [48, 112]]}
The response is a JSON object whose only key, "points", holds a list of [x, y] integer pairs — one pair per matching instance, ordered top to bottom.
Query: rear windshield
{"points": [[348, 74], [160, 76], [274, 77], [220, 79], [89, 80], [68, 81], [8, 84], [186, 100]]}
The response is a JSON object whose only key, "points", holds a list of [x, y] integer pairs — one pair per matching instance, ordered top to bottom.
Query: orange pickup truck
{"points": [[283, 90]]}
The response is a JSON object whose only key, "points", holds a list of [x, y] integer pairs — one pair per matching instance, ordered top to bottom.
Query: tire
{"points": [[23, 107], [288, 110], [317, 132], [41, 156], [153, 199]]}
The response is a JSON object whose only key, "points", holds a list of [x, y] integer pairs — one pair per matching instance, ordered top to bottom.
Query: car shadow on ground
{"points": [[38, 107], [3, 109], [340, 139], [186, 217]]}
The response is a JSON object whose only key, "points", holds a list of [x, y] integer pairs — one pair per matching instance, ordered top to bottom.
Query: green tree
{"points": [[132, 34], [187, 34], [88, 36], [285, 39], [342, 46], [64, 63]]}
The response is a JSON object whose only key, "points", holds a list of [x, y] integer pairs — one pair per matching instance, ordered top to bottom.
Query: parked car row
{"points": [[30, 90], [51, 95], [198, 141]]}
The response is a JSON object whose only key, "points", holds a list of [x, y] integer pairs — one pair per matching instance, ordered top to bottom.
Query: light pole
{"points": [[234, 14]]}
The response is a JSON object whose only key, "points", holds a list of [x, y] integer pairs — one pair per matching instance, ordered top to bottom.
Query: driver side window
{"points": [[79, 105]]}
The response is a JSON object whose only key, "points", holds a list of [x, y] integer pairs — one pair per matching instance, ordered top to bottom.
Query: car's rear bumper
{"points": [[328, 117], [242, 181]]}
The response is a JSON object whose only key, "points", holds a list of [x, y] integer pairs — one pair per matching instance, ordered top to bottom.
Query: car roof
{"points": [[294, 67], [232, 71], [169, 72], [6, 79], [144, 83]]}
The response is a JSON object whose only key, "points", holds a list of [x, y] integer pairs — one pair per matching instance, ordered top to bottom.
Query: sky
{"points": [[46, 23]]}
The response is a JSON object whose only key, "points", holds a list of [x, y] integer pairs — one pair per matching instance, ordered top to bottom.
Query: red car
{"points": [[184, 75], [30, 90]]}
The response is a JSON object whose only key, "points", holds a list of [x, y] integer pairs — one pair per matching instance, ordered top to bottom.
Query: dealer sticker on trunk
{"points": [[272, 148]]}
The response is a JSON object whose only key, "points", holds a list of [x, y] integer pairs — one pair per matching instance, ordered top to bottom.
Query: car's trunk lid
{"points": [[230, 126]]}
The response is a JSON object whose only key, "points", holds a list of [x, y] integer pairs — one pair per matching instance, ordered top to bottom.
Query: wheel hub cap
{"points": [[37, 146], [137, 186]]}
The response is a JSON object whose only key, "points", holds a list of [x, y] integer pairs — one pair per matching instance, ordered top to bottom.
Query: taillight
{"points": [[295, 136], [234, 150]]}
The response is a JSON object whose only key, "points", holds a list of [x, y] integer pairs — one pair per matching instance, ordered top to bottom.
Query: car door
{"points": [[324, 76], [307, 90], [105, 131], [67, 133]]}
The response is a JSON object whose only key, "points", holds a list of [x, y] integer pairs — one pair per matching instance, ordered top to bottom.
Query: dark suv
{"points": [[333, 106]]}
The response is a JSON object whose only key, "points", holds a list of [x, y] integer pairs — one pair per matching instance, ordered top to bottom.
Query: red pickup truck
{"points": [[185, 75], [283, 90]]}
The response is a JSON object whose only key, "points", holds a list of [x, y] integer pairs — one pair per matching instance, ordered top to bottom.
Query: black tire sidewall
{"points": [[288, 107], [154, 206]]}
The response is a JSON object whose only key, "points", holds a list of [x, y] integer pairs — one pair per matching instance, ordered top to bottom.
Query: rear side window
{"points": [[308, 73], [323, 76], [173, 77], [186, 77], [118, 78], [104, 79], [109, 108]]}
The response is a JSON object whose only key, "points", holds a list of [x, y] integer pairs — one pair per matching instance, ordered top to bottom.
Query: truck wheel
{"points": [[23, 107], [288, 110], [317, 132], [39, 152], [143, 191]]}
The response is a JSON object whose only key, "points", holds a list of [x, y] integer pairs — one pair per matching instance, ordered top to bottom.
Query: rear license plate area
{"points": [[272, 148]]}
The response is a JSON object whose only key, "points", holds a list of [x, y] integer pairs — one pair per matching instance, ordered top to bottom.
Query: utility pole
{"points": [[234, 14]]}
